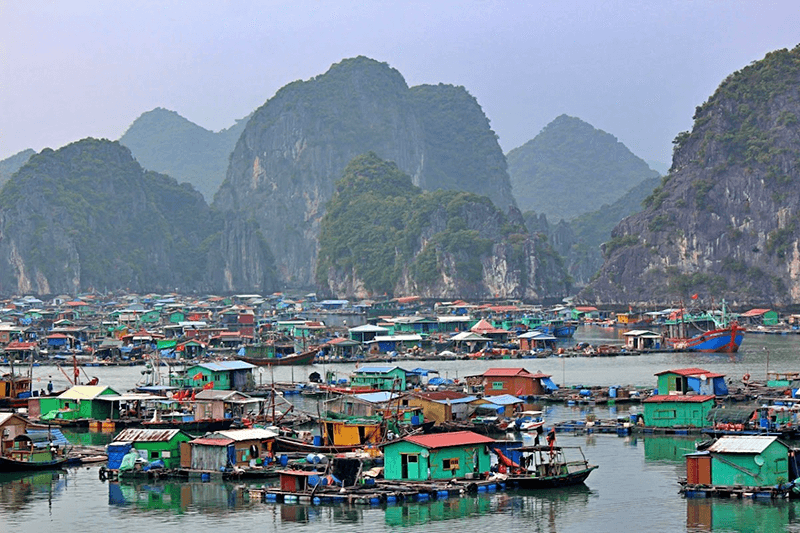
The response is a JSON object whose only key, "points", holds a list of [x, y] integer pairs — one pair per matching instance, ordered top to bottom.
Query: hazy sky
{"points": [[636, 69]]}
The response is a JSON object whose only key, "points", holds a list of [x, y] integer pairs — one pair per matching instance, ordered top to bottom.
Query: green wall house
{"points": [[224, 375], [386, 378], [685, 380], [94, 402], [672, 411], [164, 444], [437, 456], [750, 461]]}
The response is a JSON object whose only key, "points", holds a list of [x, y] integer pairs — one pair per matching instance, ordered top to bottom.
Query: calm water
{"points": [[635, 486]]}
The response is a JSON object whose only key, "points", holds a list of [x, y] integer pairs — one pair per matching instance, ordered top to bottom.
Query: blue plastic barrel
{"points": [[612, 392], [415, 420], [317, 440], [284, 460], [205, 477], [313, 480], [442, 494], [423, 496], [391, 498], [316, 500]]}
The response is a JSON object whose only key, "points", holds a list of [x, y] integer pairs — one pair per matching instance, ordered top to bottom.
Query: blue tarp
{"points": [[548, 384]]}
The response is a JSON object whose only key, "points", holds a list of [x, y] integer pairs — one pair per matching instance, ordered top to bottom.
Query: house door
{"points": [[409, 466]]}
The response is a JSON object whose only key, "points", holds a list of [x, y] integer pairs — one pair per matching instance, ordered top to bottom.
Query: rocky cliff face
{"points": [[294, 148], [87, 216], [725, 223], [383, 235]]}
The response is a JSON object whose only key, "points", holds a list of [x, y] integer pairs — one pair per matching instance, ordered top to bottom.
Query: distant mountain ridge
{"points": [[163, 141], [10, 165], [571, 168]]}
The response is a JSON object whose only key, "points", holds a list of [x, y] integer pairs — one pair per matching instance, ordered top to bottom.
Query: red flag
{"points": [[694, 296], [198, 376], [209, 385]]}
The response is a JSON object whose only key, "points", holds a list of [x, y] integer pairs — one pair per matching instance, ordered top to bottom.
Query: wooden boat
{"points": [[704, 332], [265, 355], [34, 451], [545, 467]]}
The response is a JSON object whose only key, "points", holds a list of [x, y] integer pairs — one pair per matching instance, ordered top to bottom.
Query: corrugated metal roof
{"points": [[221, 366], [377, 369], [84, 392], [376, 397], [697, 398], [503, 399], [246, 434], [146, 435], [43, 437], [446, 440], [208, 441], [741, 444]]}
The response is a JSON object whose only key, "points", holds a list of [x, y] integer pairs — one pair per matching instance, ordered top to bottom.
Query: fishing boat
{"points": [[704, 332], [267, 354], [33, 451], [545, 467]]}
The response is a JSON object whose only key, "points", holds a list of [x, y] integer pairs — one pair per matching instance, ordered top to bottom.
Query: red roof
{"points": [[586, 309], [756, 312], [485, 327], [16, 345], [506, 372], [685, 372], [442, 395], [700, 398], [446, 440]]}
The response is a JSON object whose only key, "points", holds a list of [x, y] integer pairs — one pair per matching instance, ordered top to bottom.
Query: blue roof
{"points": [[221, 366], [423, 371], [376, 397], [465, 399], [503, 399], [55, 436]]}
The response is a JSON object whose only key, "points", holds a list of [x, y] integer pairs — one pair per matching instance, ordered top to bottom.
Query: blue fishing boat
{"points": [[704, 332]]}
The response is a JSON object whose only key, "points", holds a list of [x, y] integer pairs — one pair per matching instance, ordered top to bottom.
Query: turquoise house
{"points": [[221, 375], [386, 378], [697, 380], [673, 411], [458, 454], [749, 461]]}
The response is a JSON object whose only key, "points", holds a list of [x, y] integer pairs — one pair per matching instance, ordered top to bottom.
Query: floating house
{"points": [[366, 333], [643, 339], [394, 343], [221, 375], [387, 378], [684, 380], [514, 381], [94, 402], [215, 404], [502, 405], [443, 406], [677, 411], [150, 444], [222, 450], [458, 454], [751, 461]]}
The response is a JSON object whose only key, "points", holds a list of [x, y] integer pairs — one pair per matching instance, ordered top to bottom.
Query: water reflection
{"points": [[670, 449], [19, 490], [176, 497], [740, 515]]}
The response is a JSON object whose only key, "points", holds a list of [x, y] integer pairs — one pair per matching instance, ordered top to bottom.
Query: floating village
{"points": [[391, 429]]}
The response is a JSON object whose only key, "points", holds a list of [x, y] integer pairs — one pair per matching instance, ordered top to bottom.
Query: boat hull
{"points": [[726, 340], [11, 465], [550, 482]]}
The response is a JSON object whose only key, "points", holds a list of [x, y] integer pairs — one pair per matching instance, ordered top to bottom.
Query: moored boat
{"points": [[704, 332], [266, 355], [33, 451], [544, 467]]}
